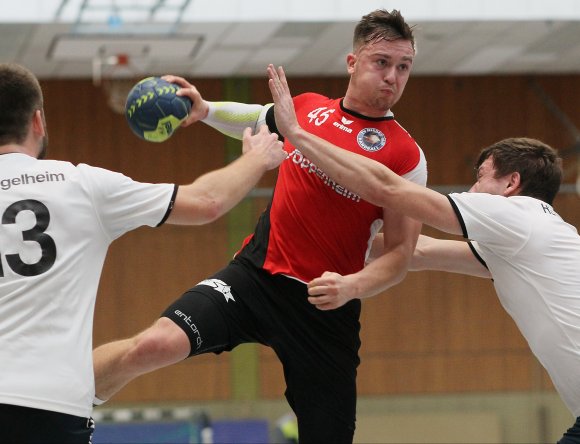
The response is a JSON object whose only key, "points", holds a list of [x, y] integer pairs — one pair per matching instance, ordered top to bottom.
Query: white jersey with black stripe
{"points": [[57, 221], [534, 258]]}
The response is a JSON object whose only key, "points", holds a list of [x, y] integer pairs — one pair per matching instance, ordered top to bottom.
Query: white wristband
{"points": [[232, 118]]}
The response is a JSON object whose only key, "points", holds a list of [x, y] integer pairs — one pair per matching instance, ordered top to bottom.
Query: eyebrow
{"points": [[390, 57]]}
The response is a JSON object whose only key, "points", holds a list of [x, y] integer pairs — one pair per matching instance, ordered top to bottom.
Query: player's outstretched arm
{"points": [[229, 118], [371, 180], [215, 193], [438, 255], [446, 255], [332, 290]]}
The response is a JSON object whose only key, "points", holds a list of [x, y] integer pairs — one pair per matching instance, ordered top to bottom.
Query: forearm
{"points": [[231, 118], [366, 177], [377, 184], [215, 193], [390, 255], [446, 255], [383, 273], [332, 290]]}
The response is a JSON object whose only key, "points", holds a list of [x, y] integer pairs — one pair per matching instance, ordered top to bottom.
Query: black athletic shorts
{"points": [[318, 349], [25, 425], [572, 436]]}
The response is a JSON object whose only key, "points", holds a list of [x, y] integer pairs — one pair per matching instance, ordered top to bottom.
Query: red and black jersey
{"points": [[312, 223]]}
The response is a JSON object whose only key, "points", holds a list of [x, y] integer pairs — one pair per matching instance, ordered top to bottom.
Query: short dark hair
{"points": [[382, 25], [20, 98], [539, 165]]}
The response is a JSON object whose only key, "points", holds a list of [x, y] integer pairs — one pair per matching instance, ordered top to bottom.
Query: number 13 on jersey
{"points": [[35, 234]]}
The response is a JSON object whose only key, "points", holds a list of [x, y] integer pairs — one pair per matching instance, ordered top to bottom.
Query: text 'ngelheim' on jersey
{"points": [[25, 179]]}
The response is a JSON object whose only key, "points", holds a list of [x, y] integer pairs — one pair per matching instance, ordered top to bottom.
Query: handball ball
{"points": [[153, 110]]}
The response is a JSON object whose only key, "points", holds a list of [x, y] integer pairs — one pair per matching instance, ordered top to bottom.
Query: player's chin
{"points": [[385, 102]]}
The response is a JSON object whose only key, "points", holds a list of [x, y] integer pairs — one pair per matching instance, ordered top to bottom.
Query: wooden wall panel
{"points": [[452, 118], [568, 206], [434, 333], [441, 373], [271, 374], [206, 377]]}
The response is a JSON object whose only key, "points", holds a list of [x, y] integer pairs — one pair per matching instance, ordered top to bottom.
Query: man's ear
{"points": [[350, 61], [38, 124], [513, 184]]}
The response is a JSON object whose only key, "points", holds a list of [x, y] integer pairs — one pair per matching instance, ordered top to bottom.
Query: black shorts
{"points": [[318, 349], [33, 426], [572, 436]]}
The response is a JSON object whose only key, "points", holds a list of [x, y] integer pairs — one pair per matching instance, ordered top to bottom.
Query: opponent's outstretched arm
{"points": [[371, 180], [213, 194], [438, 255]]}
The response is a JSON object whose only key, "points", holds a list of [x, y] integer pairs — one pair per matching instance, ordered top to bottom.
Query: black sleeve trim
{"points": [[271, 122], [170, 206], [459, 217], [476, 254]]}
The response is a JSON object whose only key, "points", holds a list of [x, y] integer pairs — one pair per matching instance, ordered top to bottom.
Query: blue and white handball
{"points": [[154, 111]]}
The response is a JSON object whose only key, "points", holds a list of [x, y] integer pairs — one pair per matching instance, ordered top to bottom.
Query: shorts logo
{"points": [[371, 139], [220, 286], [192, 327]]}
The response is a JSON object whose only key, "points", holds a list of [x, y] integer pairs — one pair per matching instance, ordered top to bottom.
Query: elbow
{"points": [[197, 207], [204, 210], [211, 210], [399, 273], [401, 276]]}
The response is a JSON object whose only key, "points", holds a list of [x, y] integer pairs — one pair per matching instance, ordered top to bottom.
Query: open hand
{"points": [[283, 105]]}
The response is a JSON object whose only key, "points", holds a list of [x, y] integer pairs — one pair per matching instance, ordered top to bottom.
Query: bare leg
{"points": [[118, 363]]}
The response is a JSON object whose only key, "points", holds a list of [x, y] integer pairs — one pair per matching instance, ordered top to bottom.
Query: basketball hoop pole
{"points": [[97, 71]]}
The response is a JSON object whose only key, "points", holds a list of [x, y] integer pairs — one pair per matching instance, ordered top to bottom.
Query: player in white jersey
{"points": [[57, 221], [516, 237]]}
